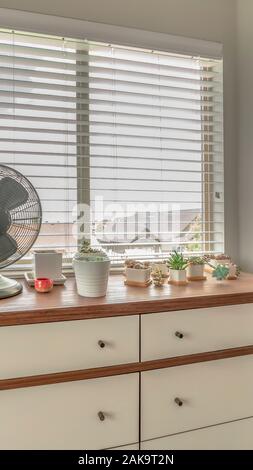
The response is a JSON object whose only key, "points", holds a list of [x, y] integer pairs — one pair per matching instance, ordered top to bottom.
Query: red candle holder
{"points": [[43, 284]]}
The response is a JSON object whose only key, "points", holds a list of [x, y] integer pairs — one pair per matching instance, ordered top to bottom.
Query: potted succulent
{"points": [[162, 265], [177, 265], [91, 267], [195, 268], [220, 272], [137, 273], [157, 277]]}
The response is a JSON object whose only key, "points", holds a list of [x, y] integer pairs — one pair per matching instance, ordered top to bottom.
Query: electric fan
{"points": [[20, 222]]}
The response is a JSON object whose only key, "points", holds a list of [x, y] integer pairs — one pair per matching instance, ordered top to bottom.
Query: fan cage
{"points": [[25, 219]]}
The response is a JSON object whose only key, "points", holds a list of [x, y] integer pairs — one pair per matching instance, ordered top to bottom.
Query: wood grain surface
{"points": [[63, 303]]}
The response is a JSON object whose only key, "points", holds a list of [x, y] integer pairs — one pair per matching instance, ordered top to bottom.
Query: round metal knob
{"points": [[179, 335], [101, 344], [178, 401], [101, 415]]}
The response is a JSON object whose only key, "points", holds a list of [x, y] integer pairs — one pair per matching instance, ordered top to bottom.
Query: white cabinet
{"points": [[172, 334], [64, 346], [209, 392], [206, 405], [89, 414], [237, 435]]}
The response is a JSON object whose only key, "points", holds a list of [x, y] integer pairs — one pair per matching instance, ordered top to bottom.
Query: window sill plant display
{"points": [[177, 265], [91, 267], [195, 268], [137, 273], [157, 277]]}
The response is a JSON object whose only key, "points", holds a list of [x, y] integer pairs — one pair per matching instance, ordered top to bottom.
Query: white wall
{"points": [[213, 20], [245, 131]]}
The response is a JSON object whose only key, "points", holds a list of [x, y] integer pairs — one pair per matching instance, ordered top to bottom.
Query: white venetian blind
{"points": [[43, 121], [136, 135], [156, 152]]}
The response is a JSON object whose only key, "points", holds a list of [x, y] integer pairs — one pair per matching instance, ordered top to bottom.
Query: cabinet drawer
{"points": [[207, 329], [62, 346], [211, 392], [65, 416], [237, 435]]}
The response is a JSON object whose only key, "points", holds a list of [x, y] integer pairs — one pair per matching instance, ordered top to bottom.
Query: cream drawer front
{"points": [[207, 329], [57, 347], [212, 392], [65, 416], [230, 436]]}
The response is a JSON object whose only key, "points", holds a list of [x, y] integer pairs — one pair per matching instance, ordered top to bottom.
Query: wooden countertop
{"points": [[63, 303]]}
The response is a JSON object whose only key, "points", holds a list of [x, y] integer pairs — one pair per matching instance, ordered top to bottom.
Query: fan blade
{"points": [[12, 194], [8, 247]]}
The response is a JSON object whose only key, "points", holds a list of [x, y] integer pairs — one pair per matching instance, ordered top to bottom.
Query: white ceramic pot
{"points": [[47, 263], [163, 267], [195, 270], [138, 275], [178, 275], [91, 277]]}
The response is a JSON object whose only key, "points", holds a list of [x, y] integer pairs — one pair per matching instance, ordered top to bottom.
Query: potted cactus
{"points": [[177, 265], [91, 267], [195, 268], [157, 277]]}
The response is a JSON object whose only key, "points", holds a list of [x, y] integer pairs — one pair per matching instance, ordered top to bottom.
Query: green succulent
{"points": [[86, 253], [196, 260], [177, 261], [220, 272]]}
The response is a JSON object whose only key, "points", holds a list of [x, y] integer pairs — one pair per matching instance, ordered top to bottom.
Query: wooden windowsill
{"points": [[63, 303]]}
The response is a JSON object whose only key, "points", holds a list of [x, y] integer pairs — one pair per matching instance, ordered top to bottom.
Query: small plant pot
{"points": [[163, 267], [195, 272], [91, 277], [138, 277], [178, 277]]}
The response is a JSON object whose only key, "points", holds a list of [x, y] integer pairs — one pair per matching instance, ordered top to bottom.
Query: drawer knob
{"points": [[179, 335], [101, 344], [178, 401], [101, 415]]}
